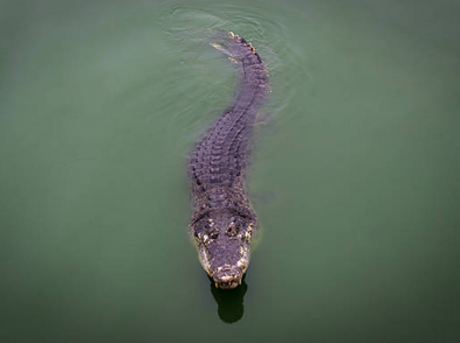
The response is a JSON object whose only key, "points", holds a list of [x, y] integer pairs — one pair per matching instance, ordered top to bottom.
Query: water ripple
{"points": [[190, 28]]}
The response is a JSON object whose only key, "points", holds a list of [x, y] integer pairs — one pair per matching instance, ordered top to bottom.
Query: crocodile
{"points": [[223, 223]]}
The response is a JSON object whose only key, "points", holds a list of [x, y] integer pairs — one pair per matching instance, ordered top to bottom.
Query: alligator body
{"points": [[223, 222]]}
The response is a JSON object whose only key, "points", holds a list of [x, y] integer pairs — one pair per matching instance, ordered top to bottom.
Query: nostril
{"points": [[227, 278]]}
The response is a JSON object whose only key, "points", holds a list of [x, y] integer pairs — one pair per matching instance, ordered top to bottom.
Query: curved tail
{"points": [[237, 48], [254, 76]]}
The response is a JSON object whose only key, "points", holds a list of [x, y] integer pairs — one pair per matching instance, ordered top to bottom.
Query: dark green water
{"points": [[356, 173]]}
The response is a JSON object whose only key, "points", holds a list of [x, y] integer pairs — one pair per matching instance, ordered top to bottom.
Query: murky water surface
{"points": [[355, 175]]}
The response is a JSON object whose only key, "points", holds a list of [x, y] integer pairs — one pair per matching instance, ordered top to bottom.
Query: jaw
{"points": [[225, 274], [228, 277], [228, 285]]}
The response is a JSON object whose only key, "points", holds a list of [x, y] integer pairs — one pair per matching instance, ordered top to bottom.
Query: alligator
{"points": [[223, 222]]}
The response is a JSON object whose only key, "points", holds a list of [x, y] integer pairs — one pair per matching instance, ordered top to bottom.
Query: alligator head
{"points": [[223, 240]]}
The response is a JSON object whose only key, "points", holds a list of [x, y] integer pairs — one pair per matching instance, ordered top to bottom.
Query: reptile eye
{"points": [[233, 230], [214, 235]]}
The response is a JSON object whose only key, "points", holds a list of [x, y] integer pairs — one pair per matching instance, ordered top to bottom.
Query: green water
{"points": [[356, 172]]}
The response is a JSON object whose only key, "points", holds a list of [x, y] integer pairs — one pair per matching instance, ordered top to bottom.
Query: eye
{"points": [[233, 230], [214, 235]]}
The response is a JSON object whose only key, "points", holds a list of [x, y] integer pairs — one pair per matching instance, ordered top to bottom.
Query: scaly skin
{"points": [[223, 221]]}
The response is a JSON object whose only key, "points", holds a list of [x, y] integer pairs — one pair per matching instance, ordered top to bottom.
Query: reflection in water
{"points": [[230, 305]]}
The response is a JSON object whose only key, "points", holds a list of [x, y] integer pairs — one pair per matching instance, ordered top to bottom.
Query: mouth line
{"points": [[228, 280], [228, 284]]}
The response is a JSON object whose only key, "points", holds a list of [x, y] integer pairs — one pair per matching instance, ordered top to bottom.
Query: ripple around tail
{"points": [[191, 29]]}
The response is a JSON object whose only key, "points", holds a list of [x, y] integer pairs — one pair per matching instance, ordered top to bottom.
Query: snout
{"points": [[228, 277]]}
